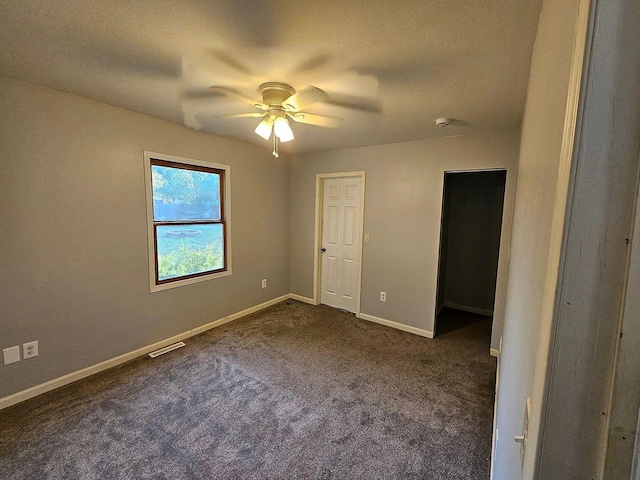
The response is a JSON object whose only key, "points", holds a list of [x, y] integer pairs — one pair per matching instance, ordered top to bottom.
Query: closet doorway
{"points": [[472, 210]]}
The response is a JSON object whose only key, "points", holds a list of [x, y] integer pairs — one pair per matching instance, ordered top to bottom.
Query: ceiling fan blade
{"points": [[312, 64], [232, 92], [305, 98], [363, 104], [243, 115], [314, 119]]}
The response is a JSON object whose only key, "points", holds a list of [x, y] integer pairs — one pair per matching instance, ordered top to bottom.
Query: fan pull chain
{"points": [[275, 145]]}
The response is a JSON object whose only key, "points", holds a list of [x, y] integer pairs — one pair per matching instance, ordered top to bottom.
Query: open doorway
{"points": [[469, 248]]}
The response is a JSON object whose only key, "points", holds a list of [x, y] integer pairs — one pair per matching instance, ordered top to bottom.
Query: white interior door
{"points": [[341, 242]]}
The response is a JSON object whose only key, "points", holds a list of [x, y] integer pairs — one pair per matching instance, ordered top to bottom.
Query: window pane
{"points": [[181, 194], [189, 249]]}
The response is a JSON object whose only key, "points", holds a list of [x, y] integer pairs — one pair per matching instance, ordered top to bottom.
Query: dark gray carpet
{"points": [[294, 391]]}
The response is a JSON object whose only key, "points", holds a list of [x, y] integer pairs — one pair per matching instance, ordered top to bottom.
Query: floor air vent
{"points": [[166, 349]]}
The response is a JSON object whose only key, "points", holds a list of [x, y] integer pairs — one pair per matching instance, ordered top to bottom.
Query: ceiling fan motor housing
{"points": [[274, 93]]}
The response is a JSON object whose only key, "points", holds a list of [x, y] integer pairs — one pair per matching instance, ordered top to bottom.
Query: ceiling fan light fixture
{"points": [[264, 128], [283, 129]]}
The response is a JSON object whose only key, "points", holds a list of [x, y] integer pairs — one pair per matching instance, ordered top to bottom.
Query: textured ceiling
{"points": [[416, 60]]}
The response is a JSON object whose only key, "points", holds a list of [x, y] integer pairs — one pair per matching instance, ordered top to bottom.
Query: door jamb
{"points": [[317, 264]]}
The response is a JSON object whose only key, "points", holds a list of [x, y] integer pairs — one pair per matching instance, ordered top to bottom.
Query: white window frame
{"points": [[153, 287]]}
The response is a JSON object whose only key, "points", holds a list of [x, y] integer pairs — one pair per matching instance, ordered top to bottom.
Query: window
{"points": [[187, 210]]}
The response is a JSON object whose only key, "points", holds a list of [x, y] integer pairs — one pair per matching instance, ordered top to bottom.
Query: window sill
{"points": [[187, 281]]}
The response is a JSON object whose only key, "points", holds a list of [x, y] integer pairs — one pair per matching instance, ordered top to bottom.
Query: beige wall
{"points": [[535, 203], [403, 204], [74, 239]]}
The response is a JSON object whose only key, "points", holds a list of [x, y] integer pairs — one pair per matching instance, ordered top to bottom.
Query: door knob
{"points": [[323, 249]]}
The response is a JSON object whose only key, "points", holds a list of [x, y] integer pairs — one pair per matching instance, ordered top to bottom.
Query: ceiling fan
{"points": [[281, 103]]}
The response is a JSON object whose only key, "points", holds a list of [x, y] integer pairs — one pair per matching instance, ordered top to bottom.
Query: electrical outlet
{"points": [[367, 238], [264, 283], [383, 296], [30, 350], [11, 354]]}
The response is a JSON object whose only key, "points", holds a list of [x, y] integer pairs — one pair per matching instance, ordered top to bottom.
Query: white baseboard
{"points": [[300, 298], [480, 311], [399, 326], [494, 352], [88, 371], [85, 372]]}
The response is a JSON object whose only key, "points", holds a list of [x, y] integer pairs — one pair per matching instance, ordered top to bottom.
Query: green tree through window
{"points": [[189, 227]]}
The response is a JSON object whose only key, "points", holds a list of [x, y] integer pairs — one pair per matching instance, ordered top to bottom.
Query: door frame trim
{"points": [[317, 264]]}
